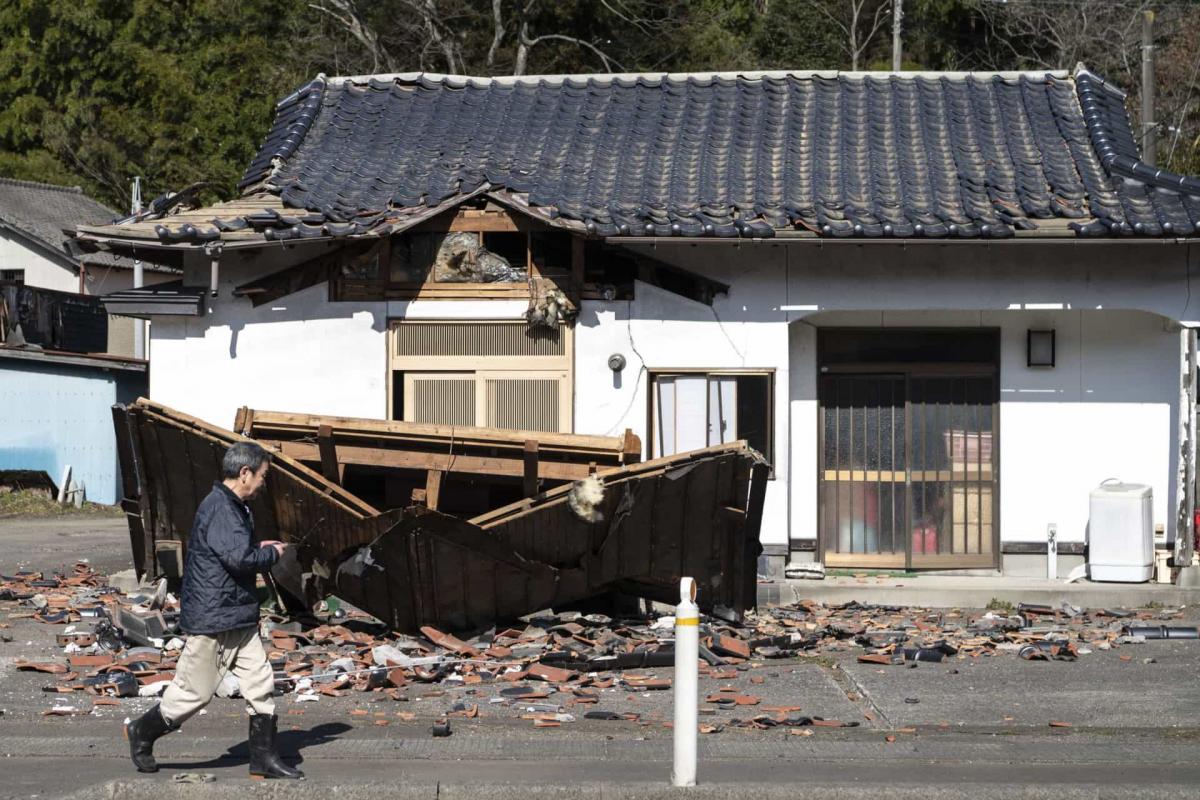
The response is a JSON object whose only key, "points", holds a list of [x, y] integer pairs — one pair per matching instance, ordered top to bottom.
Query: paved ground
{"points": [[964, 727]]}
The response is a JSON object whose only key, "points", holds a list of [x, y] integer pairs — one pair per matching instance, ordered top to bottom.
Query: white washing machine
{"points": [[1121, 533]]}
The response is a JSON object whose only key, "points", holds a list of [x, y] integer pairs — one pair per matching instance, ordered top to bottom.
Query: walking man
{"points": [[219, 614]]}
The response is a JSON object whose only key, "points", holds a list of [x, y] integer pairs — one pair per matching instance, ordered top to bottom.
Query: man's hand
{"points": [[279, 546]]}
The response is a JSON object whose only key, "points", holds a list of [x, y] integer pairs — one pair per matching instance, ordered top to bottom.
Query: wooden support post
{"points": [[578, 268], [241, 422], [631, 448], [328, 451], [531, 468], [433, 487]]}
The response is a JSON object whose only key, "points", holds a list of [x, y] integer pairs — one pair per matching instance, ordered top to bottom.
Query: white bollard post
{"points": [[687, 682]]}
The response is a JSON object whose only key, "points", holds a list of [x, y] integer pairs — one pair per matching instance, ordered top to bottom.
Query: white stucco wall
{"points": [[40, 270], [661, 331], [300, 353], [1107, 409]]}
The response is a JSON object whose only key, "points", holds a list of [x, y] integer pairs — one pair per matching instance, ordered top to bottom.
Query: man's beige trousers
{"points": [[202, 664]]}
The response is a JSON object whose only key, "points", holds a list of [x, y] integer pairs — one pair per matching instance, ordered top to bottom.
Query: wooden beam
{"points": [[318, 269], [243, 420], [277, 424], [631, 448], [328, 453], [461, 464], [531, 468], [433, 487]]}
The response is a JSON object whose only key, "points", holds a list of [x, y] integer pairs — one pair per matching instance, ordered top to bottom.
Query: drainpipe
{"points": [[213, 251], [139, 277]]}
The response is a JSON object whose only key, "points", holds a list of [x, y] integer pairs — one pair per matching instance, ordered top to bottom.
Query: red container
{"points": [[924, 540]]}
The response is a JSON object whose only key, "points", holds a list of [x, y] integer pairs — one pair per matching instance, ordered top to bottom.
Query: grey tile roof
{"points": [[741, 154], [41, 211]]}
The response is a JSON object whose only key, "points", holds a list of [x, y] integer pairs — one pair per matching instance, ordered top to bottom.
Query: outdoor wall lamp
{"points": [[1039, 348], [616, 362]]}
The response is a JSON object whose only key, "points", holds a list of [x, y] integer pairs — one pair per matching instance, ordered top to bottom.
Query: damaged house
{"points": [[942, 306]]}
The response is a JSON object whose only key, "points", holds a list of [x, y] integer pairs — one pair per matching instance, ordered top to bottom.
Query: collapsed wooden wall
{"points": [[695, 514]]}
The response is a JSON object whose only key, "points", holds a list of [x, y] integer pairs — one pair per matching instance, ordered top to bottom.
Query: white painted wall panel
{"points": [[40, 271], [300, 353]]}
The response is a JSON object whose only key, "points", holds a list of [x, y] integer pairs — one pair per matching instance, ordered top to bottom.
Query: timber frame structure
{"points": [[535, 458], [696, 513]]}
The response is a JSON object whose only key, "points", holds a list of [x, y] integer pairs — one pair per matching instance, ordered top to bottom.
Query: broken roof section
{"points": [[974, 155], [634, 529]]}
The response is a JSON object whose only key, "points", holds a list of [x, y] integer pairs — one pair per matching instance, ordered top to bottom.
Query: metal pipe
{"points": [[1164, 632], [687, 682]]}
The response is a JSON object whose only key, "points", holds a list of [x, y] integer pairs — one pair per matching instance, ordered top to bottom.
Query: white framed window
{"points": [[13, 275], [486, 373], [690, 410]]}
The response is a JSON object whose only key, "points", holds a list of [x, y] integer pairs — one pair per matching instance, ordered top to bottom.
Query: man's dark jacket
{"points": [[222, 563]]}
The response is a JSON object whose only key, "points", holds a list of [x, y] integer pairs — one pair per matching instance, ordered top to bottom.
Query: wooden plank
{"points": [[169, 418], [243, 420], [263, 422], [631, 448], [327, 451], [460, 464], [643, 469], [899, 476], [530, 477], [433, 487], [131, 499], [702, 521], [751, 545], [865, 560]]}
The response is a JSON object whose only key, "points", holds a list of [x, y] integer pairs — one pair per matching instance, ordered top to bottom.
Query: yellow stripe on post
{"points": [[687, 621]]}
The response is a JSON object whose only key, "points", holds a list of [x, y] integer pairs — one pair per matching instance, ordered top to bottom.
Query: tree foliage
{"points": [[178, 91]]}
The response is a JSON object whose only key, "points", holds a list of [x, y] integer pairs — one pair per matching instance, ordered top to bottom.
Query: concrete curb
{"points": [[973, 592], [404, 790]]}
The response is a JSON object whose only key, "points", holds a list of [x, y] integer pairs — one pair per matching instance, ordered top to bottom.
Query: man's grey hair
{"points": [[243, 454]]}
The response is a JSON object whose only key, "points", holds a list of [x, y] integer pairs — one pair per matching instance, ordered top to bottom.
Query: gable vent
{"points": [[476, 339]]}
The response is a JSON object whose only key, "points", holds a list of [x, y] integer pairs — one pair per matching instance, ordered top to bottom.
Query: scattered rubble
{"points": [[548, 669]]}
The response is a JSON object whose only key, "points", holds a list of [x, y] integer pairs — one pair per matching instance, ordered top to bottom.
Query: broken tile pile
{"points": [[894, 635], [115, 645], [550, 668]]}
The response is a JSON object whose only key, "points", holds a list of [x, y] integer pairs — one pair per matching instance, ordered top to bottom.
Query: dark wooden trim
{"points": [[319, 269], [965, 369], [802, 545], [775, 550]]}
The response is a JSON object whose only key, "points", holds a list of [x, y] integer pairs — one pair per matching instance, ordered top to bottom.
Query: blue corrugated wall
{"points": [[52, 415]]}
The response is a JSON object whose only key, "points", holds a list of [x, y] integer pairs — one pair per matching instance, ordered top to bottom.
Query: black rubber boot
{"points": [[142, 733], [264, 758]]}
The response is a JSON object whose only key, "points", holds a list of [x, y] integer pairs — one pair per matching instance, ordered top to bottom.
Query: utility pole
{"points": [[897, 47], [1149, 134], [139, 277]]}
